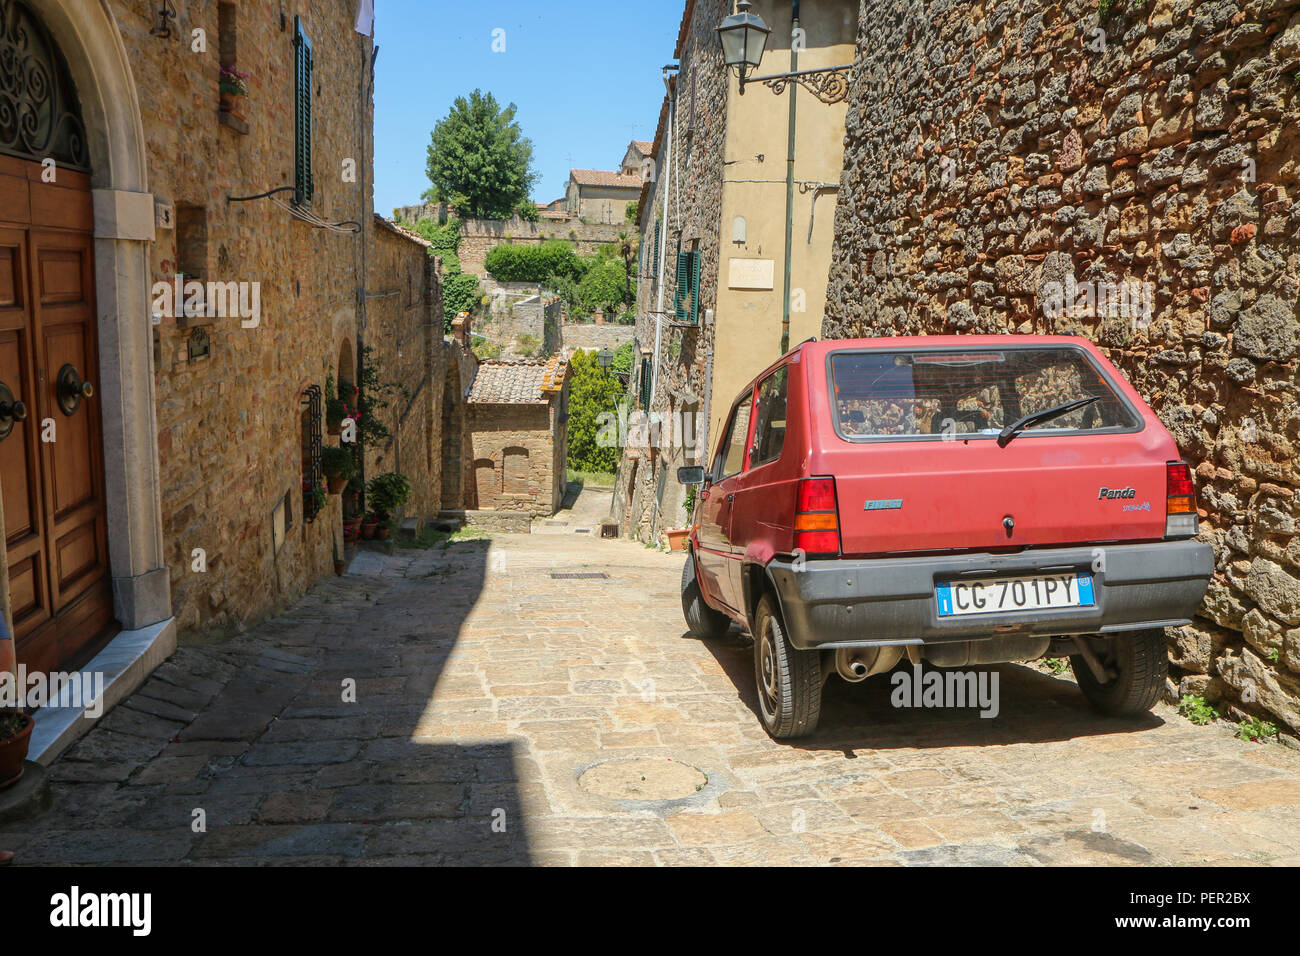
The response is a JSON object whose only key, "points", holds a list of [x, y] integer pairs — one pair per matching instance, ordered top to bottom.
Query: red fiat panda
{"points": [[966, 500]]}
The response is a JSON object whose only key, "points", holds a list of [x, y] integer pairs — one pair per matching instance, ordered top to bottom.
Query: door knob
{"points": [[72, 389], [11, 410]]}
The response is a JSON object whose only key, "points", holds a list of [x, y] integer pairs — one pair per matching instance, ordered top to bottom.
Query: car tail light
{"points": [[1180, 501], [817, 517]]}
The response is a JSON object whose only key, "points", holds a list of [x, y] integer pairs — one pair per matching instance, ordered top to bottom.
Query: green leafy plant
{"points": [[233, 82], [479, 161], [528, 211], [542, 262], [460, 293], [528, 345], [623, 357], [592, 393], [373, 396], [337, 462], [387, 493], [689, 502], [1273, 654], [1056, 665], [1197, 710], [11, 721], [1255, 729]]}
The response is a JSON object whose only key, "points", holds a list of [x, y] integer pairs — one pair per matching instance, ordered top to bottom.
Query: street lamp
{"points": [[744, 37], [606, 358]]}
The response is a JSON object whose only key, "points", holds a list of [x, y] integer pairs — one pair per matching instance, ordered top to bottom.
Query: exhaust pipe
{"points": [[856, 664]]}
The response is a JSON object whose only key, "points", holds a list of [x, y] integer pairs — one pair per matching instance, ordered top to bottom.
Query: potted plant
{"points": [[234, 85], [338, 466], [386, 494], [369, 527], [677, 538], [15, 735]]}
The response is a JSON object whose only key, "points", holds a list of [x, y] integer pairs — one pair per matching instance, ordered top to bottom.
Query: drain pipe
{"points": [[789, 181]]}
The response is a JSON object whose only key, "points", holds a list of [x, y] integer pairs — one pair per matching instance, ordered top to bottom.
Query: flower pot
{"points": [[336, 484], [368, 529], [382, 532], [677, 538], [339, 567], [13, 751]]}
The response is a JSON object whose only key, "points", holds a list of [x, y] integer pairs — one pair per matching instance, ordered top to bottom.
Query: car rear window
{"points": [[925, 393]]}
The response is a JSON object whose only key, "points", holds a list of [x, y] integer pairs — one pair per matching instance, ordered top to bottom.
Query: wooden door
{"points": [[51, 463]]}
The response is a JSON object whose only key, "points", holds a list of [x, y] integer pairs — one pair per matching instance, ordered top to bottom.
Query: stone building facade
{"points": [[999, 152], [518, 426], [196, 448]]}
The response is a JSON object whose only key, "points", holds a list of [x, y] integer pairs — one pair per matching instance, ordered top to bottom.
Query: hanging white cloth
{"points": [[366, 17]]}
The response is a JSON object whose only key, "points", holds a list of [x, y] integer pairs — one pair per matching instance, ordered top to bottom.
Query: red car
{"points": [[963, 500]]}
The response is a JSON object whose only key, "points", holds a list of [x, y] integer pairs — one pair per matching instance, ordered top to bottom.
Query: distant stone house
{"points": [[638, 151], [601, 195], [517, 418]]}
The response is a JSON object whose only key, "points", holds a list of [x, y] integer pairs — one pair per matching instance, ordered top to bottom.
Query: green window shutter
{"points": [[302, 118], [658, 234], [695, 288], [681, 297], [645, 383]]}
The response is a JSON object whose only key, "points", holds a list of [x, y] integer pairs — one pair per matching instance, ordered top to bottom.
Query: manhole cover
{"points": [[642, 779]]}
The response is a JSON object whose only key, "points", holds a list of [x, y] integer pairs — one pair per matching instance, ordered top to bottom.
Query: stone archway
{"points": [[91, 43]]}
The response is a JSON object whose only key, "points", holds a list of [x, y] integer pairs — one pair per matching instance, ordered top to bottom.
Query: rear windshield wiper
{"points": [[1015, 428]]}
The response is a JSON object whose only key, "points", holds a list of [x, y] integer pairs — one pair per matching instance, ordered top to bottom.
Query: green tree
{"points": [[479, 161], [528, 211], [604, 285], [623, 358], [593, 392]]}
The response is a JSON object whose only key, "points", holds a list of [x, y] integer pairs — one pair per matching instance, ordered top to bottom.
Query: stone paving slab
{"points": [[438, 707]]}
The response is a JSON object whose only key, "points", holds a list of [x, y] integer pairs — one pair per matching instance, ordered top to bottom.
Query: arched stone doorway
{"points": [[118, 219]]}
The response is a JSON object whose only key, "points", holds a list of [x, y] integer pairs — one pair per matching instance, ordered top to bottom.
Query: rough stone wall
{"points": [[997, 146], [478, 237], [515, 309], [404, 327], [593, 338], [228, 424], [498, 429], [645, 501]]}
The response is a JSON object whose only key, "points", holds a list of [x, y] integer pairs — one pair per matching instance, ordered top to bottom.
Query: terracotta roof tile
{"points": [[604, 177], [518, 383]]}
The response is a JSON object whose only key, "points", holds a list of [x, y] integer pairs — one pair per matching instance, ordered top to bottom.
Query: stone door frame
{"points": [[91, 43]]}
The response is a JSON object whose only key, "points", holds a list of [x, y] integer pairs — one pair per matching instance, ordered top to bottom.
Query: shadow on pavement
{"points": [[1032, 708], [254, 734]]}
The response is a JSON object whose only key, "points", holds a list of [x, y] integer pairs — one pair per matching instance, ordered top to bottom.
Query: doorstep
{"points": [[125, 662]]}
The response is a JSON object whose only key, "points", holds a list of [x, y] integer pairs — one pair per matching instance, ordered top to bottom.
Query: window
{"points": [[302, 118], [659, 228], [686, 301], [645, 383], [975, 393], [769, 429], [731, 456]]}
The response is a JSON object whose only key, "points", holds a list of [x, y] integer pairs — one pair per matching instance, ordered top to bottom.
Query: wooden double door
{"points": [[51, 442]]}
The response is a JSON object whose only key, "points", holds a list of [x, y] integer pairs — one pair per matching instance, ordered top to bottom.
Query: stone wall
{"points": [[995, 147], [478, 237], [515, 310], [404, 328], [593, 338], [228, 423], [499, 480], [647, 497]]}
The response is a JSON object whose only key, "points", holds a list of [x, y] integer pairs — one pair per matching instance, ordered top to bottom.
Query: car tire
{"points": [[704, 622], [1141, 662], [789, 680]]}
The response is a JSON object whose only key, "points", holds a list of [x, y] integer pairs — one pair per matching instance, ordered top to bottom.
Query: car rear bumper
{"points": [[887, 601]]}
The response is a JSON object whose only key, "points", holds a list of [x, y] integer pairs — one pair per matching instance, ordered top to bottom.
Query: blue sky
{"points": [[585, 75]]}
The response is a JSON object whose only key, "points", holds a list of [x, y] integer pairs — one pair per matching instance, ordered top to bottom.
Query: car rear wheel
{"points": [[703, 621], [1139, 663], [789, 680]]}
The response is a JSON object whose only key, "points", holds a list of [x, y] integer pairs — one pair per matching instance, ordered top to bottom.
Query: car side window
{"points": [[769, 429], [731, 458]]}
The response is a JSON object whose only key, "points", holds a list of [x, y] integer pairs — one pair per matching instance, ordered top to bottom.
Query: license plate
{"points": [[1038, 592]]}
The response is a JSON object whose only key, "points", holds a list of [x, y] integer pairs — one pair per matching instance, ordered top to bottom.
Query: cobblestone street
{"points": [[485, 686]]}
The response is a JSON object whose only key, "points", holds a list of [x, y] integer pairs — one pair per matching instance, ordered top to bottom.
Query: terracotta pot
{"points": [[335, 485], [368, 529], [382, 532], [677, 538], [338, 568], [13, 751]]}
